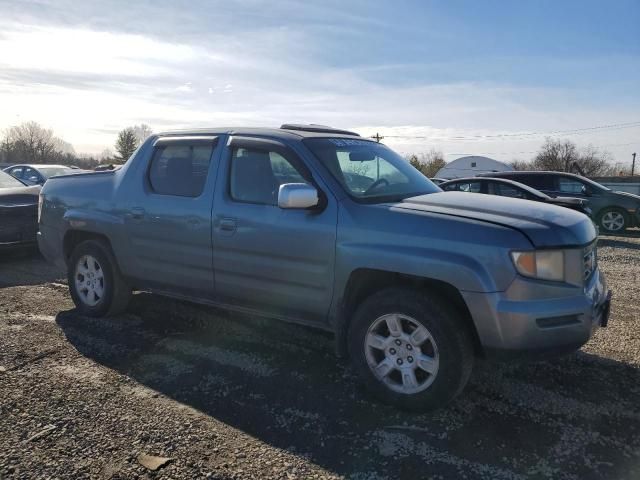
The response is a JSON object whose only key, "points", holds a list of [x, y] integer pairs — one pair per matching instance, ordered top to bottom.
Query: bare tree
{"points": [[142, 132], [31, 143], [126, 144], [556, 155], [564, 156], [593, 162], [428, 163], [521, 165]]}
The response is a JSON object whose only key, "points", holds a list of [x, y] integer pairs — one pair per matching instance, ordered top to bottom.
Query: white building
{"points": [[471, 166]]}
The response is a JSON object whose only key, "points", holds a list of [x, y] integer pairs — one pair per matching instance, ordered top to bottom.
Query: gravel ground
{"points": [[224, 396]]}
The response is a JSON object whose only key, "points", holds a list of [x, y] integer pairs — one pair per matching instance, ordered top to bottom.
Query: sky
{"points": [[465, 77]]}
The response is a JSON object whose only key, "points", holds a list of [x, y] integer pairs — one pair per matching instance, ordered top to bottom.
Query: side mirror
{"points": [[297, 195]]}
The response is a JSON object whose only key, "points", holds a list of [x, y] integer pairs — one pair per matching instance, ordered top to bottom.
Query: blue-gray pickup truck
{"points": [[319, 226]]}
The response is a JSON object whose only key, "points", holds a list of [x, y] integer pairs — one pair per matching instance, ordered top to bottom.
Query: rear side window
{"points": [[180, 170], [256, 175], [539, 182], [473, 187]]}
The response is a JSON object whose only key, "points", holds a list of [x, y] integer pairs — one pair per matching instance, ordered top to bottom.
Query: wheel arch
{"points": [[617, 208], [73, 238], [364, 282]]}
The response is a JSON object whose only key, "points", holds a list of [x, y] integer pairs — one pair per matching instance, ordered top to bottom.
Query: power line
{"points": [[576, 131], [535, 151]]}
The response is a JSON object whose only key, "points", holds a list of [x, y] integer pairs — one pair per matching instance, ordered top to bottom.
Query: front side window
{"points": [[180, 169], [368, 171], [30, 175], [256, 175], [569, 185]]}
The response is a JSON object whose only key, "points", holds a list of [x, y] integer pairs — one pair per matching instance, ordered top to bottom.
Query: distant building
{"points": [[471, 166]]}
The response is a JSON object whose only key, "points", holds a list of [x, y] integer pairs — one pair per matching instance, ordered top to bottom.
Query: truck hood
{"points": [[543, 224]]}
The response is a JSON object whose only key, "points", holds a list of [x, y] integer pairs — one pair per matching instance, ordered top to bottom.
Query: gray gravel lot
{"points": [[226, 396]]}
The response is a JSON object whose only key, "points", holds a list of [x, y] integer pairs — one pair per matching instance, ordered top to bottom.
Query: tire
{"points": [[613, 220], [92, 261], [447, 351]]}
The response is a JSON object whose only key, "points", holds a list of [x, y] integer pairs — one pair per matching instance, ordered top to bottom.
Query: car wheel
{"points": [[612, 220], [96, 285], [410, 349]]}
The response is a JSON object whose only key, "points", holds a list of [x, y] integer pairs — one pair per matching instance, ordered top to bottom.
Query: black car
{"points": [[509, 188], [613, 211], [18, 212]]}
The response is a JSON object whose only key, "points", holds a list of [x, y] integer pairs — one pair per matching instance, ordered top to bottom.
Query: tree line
{"points": [[32, 143], [554, 155]]}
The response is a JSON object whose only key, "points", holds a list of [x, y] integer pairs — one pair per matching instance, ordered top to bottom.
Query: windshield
{"points": [[48, 172], [370, 172], [7, 181]]}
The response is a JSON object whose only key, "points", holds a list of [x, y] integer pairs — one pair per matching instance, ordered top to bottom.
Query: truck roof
{"points": [[290, 131]]}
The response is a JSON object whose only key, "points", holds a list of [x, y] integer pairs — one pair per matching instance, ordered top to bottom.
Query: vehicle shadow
{"points": [[618, 242], [25, 266], [282, 384]]}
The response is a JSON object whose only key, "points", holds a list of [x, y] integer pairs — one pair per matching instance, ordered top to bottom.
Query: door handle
{"points": [[137, 213], [227, 225]]}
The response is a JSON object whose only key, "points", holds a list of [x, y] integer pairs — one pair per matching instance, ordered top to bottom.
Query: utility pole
{"points": [[377, 137], [633, 163]]}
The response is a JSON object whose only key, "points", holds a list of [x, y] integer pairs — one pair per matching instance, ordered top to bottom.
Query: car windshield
{"points": [[48, 172], [370, 172], [7, 181]]}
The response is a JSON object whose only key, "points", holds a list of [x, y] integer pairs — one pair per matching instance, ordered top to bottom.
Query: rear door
{"points": [[168, 221], [278, 261]]}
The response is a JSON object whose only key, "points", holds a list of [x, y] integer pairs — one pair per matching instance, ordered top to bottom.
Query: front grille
{"points": [[589, 261]]}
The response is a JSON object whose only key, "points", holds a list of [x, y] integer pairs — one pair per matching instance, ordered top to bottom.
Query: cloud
{"points": [[80, 68]]}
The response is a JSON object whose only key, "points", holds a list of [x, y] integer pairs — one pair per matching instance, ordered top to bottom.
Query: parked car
{"points": [[38, 174], [508, 188], [613, 211], [18, 212], [414, 282]]}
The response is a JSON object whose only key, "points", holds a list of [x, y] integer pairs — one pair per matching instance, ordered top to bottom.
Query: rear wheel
{"points": [[612, 220], [95, 283], [410, 349]]}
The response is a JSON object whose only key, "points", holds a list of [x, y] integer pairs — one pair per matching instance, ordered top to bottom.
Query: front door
{"points": [[168, 220], [279, 261]]}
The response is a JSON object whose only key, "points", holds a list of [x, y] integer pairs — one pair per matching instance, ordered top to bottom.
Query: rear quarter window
{"points": [[180, 170]]}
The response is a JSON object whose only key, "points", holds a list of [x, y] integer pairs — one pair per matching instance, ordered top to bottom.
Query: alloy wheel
{"points": [[89, 280], [401, 353]]}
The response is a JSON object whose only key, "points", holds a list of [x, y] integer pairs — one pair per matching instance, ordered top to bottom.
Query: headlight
{"points": [[542, 264]]}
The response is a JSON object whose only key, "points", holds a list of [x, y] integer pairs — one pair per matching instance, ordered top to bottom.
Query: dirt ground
{"points": [[226, 397]]}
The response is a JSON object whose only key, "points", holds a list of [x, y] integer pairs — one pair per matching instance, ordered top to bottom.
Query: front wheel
{"points": [[612, 220], [95, 283], [410, 349]]}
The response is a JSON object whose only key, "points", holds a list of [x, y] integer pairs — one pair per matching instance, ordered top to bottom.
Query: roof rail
{"points": [[316, 128]]}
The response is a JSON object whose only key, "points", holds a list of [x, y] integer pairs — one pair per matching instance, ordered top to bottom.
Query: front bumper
{"points": [[50, 245], [559, 319]]}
